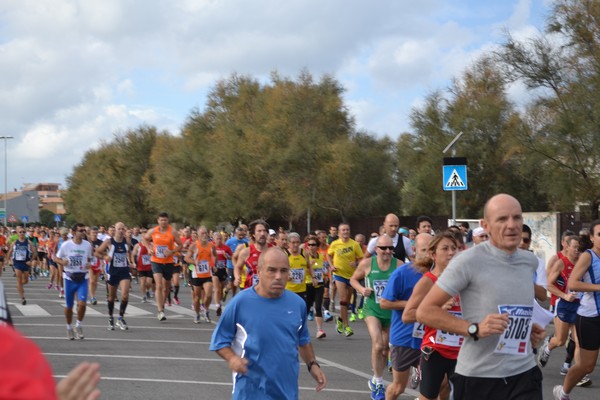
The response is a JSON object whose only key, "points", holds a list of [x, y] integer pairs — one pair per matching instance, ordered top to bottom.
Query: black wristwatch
{"points": [[473, 330], [311, 363]]}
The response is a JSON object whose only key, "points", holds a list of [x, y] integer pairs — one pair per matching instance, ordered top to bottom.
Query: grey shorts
{"points": [[404, 357]]}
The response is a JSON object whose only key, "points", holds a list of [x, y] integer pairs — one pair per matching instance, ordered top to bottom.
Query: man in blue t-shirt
{"points": [[239, 239], [405, 339], [263, 352]]}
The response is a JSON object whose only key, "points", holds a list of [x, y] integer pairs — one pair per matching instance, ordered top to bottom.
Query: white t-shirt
{"points": [[79, 256]]}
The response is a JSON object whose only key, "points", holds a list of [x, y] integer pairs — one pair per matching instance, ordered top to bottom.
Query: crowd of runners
{"points": [[418, 315]]}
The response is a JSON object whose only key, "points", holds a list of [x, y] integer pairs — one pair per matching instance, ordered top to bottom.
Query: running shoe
{"points": [[49, 286], [62, 294], [144, 299], [176, 300], [23, 301], [93, 301], [219, 311], [361, 314], [161, 316], [310, 316], [207, 317], [327, 317], [352, 317], [197, 319], [111, 324], [122, 324], [339, 326], [348, 331], [79, 332], [70, 334], [321, 334], [543, 356], [564, 369], [415, 377], [584, 382], [377, 390], [559, 394]]}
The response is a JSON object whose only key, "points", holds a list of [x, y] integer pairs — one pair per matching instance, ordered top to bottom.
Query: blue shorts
{"points": [[21, 266], [116, 276], [341, 279], [71, 287], [566, 311]]}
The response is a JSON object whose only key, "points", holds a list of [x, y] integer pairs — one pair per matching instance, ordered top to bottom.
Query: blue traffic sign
{"points": [[455, 174], [56, 217], [24, 219]]}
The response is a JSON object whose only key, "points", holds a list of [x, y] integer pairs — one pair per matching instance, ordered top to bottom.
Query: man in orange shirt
{"points": [[163, 243]]}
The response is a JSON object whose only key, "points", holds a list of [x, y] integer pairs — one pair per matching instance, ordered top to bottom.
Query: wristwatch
{"points": [[473, 330], [311, 363]]}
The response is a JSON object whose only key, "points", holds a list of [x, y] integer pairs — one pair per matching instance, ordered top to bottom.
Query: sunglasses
{"points": [[81, 230], [312, 244], [390, 248]]}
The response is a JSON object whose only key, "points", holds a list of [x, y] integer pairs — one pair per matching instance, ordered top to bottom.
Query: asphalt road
{"points": [[157, 360]]}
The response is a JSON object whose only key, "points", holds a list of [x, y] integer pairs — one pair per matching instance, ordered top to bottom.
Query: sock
{"points": [[176, 291], [111, 307], [122, 308], [77, 324], [69, 327], [570, 352], [566, 365], [378, 380]]}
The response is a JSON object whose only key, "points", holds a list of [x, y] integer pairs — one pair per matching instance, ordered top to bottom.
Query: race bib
{"points": [[159, 251], [20, 254], [146, 259], [119, 260], [76, 262], [221, 264], [203, 267], [297, 275], [318, 275], [378, 288], [418, 330], [447, 338], [515, 338]]}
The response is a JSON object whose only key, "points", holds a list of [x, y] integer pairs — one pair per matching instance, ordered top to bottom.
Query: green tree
{"points": [[562, 123]]}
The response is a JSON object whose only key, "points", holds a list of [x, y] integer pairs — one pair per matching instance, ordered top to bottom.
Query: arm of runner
{"points": [[147, 241], [101, 251], [189, 255], [237, 270], [362, 270], [553, 275], [575, 283], [419, 292], [392, 304], [432, 313], [308, 356], [234, 362]]}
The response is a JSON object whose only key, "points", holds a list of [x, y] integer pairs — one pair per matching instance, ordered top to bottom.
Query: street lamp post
{"points": [[451, 146], [5, 175]]}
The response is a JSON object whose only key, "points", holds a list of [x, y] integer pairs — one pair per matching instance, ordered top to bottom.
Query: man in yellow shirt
{"points": [[344, 255]]}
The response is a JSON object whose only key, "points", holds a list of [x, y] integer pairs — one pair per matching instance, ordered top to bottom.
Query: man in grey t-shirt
{"points": [[495, 284]]}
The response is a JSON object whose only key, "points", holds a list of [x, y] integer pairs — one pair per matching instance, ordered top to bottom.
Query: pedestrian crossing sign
{"points": [[455, 173]]}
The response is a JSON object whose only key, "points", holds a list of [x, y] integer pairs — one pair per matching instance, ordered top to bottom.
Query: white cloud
{"points": [[74, 71]]}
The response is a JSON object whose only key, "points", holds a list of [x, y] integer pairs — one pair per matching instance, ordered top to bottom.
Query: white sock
{"points": [[77, 324], [69, 327], [378, 380]]}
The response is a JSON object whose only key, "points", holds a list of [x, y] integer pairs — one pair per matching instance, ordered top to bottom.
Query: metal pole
{"points": [[5, 175], [454, 191]]}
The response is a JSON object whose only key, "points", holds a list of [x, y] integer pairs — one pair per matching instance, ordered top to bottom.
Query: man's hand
{"points": [[367, 292], [570, 297], [493, 324], [238, 364], [318, 375], [80, 383]]}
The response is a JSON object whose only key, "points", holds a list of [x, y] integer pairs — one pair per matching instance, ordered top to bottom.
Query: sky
{"points": [[75, 73]]}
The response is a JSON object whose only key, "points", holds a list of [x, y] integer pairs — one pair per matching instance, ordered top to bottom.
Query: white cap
{"points": [[479, 231], [272, 232]]}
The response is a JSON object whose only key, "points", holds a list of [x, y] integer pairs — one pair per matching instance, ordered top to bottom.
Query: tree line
{"points": [[289, 147]]}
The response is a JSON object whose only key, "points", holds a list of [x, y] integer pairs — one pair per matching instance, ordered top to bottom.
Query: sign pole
{"points": [[450, 146]]}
